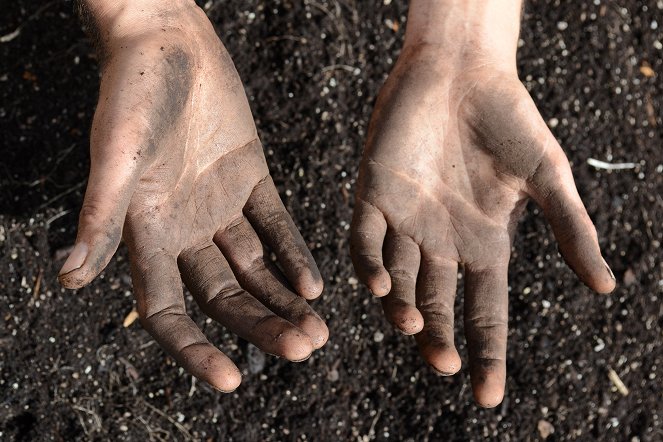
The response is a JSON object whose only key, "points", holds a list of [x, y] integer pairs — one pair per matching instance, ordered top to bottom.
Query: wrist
{"points": [[121, 19], [465, 31]]}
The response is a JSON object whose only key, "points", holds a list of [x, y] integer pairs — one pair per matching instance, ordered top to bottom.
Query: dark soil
{"points": [[69, 369]]}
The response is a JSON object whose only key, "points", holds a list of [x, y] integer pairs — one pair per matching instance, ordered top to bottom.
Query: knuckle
{"points": [[90, 211], [224, 295]]}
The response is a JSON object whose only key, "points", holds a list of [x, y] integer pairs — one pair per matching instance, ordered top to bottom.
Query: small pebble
{"points": [[629, 277], [333, 375], [545, 429]]}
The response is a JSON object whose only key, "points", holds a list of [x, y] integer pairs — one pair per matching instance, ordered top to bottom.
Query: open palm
{"points": [[449, 165], [179, 172]]}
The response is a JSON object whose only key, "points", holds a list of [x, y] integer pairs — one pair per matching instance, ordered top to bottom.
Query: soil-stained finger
{"points": [[553, 188], [271, 220], [367, 237], [243, 250], [402, 262], [208, 276], [158, 290], [436, 292], [486, 318]]}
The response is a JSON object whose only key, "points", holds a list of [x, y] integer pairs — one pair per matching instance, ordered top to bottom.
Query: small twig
{"points": [[16, 32], [12, 35], [296, 38], [344, 67], [610, 166], [60, 195], [56, 216], [37, 286], [130, 318], [617, 382], [193, 386], [96, 419], [177, 425], [371, 431]]}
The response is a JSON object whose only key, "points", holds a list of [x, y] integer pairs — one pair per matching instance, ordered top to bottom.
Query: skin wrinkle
{"points": [[433, 196]]}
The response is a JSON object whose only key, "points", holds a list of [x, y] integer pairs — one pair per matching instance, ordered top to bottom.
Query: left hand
{"points": [[454, 151]]}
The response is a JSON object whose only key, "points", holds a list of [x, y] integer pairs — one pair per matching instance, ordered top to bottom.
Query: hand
{"points": [[454, 151], [178, 171]]}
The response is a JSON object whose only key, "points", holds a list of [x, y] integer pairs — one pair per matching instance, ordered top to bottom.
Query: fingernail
{"points": [[75, 260], [612, 275], [304, 359], [222, 390]]}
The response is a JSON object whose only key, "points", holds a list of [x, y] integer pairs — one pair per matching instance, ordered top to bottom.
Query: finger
{"points": [[553, 189], [109, 190], [271, 220], [367, 236], [402, 262], [258, 276], [209, 278], [436, 291], [161, 308], [486, 317]]}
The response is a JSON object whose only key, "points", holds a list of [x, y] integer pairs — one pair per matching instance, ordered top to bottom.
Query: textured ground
{"points": [[70, 370]]}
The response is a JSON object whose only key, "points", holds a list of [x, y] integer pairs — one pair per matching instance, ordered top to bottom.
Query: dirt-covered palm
{"points": [[451, 158], [178, 171]]}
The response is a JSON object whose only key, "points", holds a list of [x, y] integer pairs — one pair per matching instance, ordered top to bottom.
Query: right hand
{"points": [[177, 170]]}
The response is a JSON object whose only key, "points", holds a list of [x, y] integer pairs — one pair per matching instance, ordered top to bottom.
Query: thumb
{"points": [[553, 188], [109, 190]]}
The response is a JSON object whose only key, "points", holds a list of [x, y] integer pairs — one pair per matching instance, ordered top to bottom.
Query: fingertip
{"points": [[75, 259], [85, 262], [595, 274], [71, 276], [76, 279], [379, 282], [608, 282], [311, 286], [605, 286], [405, 317], [410, 325], [316, 329], [294, 345], [443, 359], [210, 365], [227, 380], [488, 386], [489, 398]]}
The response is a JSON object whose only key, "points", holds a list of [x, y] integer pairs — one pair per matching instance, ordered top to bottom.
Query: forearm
{"points": [[466, 28]]}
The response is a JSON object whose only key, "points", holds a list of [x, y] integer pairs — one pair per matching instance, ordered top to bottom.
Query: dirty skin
{"points": [[172, 132], [455, 149]]}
